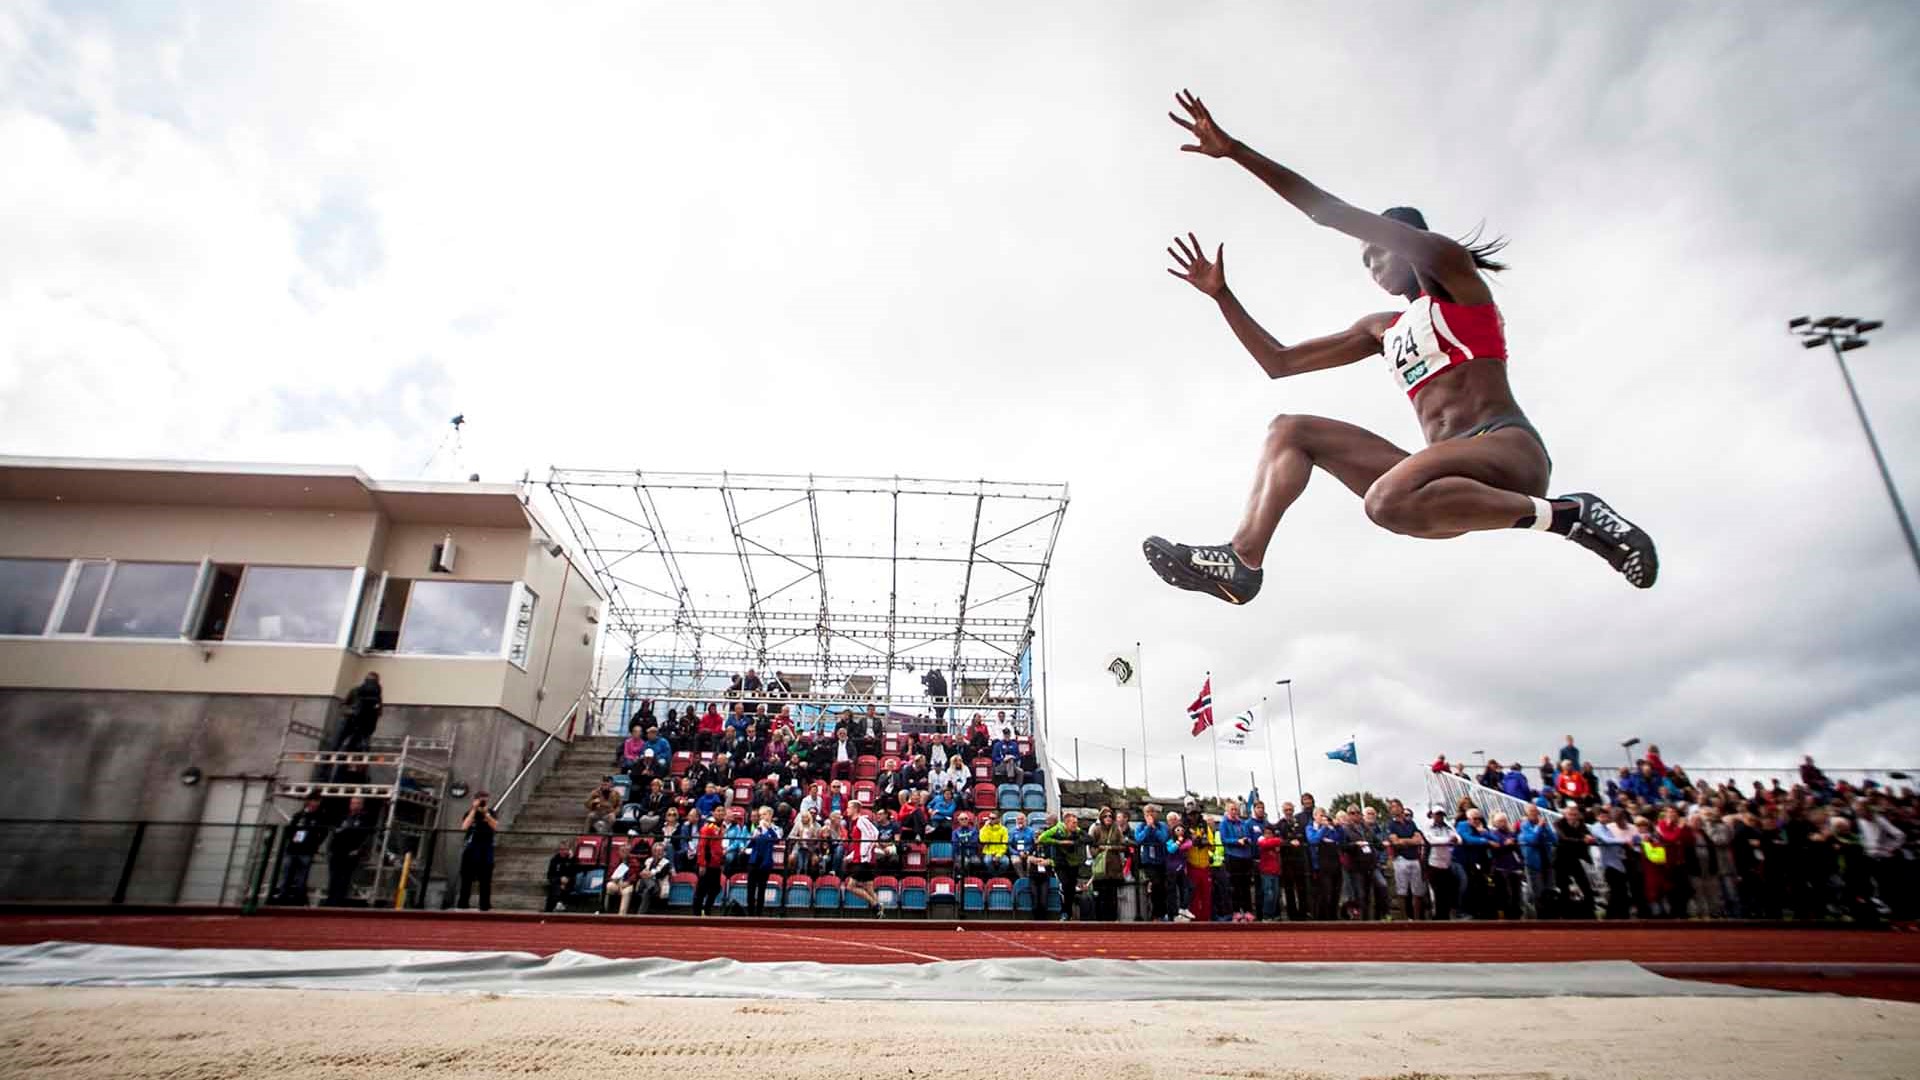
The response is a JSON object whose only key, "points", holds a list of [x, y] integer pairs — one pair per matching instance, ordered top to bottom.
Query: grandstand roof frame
{"points": [[671, 633]]}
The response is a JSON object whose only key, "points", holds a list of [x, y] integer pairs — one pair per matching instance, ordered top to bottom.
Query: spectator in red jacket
{"points": [[713, 728], [1654, 763], [1440, 764], [1571, 784], [709, 855]]}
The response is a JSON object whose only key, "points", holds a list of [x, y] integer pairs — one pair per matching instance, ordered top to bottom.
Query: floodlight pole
{"points": [[1841, 335]]}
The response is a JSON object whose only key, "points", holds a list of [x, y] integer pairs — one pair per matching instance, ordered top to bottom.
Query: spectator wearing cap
{"points": [[305, 833], [992, 837], [1150, 838], [1442, 880]]}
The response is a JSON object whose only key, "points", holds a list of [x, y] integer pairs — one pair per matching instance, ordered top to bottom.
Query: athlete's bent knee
{"points": [[1287, 431], [1391, 504]]}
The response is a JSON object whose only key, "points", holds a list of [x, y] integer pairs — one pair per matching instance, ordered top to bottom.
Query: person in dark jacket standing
{"points": [[304, 835], [348, 846], [476, 855], [1570, 859], [760, 860]]}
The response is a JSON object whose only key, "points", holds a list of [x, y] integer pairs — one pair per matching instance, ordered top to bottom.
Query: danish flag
{"points": [[1201, 711]]}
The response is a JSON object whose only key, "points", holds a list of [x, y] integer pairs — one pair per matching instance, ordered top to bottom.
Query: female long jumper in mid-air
{"points": [[1485, 467]]}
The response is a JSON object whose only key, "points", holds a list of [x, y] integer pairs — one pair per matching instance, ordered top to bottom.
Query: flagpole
{"points": [[1213, 746], [1146, 758], [1273, 769], [1358, 777], [1300, 786]]}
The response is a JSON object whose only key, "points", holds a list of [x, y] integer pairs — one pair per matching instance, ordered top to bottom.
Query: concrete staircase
{"points": [[555, 809]]}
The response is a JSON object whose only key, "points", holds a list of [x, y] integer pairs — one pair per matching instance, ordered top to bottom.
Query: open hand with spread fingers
{"points": [[1208, 138], [1207, 275]]}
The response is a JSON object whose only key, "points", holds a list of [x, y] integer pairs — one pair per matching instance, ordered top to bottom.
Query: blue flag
{"points": [[1345, 752]]}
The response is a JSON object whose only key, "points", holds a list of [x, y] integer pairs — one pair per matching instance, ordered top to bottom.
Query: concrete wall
{"points": [[114, 755]]}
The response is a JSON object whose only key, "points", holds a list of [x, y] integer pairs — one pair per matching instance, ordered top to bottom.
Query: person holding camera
{"points": [[476, 853]]}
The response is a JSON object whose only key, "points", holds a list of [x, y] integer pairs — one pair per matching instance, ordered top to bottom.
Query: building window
{"points": [[89, 578], [28, 590], [146, 600], [289, 603], [454, 618], [522, 629]]}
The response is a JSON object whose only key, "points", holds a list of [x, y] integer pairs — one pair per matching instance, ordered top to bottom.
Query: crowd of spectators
{"points": [[756, 797]]}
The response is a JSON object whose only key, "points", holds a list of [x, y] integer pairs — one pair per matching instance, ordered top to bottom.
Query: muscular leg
{"points": [[1294, 446], [1461, 486]]}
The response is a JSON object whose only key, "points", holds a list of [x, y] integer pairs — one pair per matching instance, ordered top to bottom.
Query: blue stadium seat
{"points": [[1007, 797], [1033, 797], [940, 853], [588, 887], [737, 890], [888, 890], [680, 891], [826, 893], [799, 894], [913, 894], [773, 895], [973, 895], [1000, 895], [1023, 895], [941, 897], [1054, 901], [851, 902]]}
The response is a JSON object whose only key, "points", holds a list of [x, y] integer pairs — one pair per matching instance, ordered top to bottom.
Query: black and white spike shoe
{"points": [[1626, 546], [1214, 570]]}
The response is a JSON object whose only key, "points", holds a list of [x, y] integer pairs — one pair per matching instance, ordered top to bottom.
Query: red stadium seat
{"points": [[893, 743], [1025, 744], [682, 761], [890, 764], [866, 767], [982, 768], [742, 790], [865, 792], [983, 796], [617, 849], [588, 850], [913, 859], [942, 888], [887, 890]]}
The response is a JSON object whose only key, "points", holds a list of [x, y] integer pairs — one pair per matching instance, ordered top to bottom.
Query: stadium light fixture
{"points": [[1821, 331]]}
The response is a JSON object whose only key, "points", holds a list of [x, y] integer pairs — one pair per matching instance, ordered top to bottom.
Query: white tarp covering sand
{"points": [[1024, 978], [137, 1034]]}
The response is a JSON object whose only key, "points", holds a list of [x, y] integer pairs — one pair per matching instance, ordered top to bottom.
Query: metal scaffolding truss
{"points": [[838, 580]]}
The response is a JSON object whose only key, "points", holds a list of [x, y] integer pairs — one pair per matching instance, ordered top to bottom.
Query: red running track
{"points": [[1819, 955]]}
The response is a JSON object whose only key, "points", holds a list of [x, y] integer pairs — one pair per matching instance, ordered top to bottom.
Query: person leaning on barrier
{"points": [[1150, 836], [1616, 837], [1066, 847], [1536, 847], [1570, 859], [1040, 866], [1442, 881]]}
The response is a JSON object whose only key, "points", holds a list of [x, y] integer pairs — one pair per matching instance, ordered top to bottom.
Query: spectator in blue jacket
{"points": [[1004, 747], [1571, 753], [1515, 783], [709, 800], [940, 810], [1151, 836], [736, 837], [762, 837], [1324, 837], [1019, 841], [966, 845], [1241, 848], [1536, 848], [1475, 856], [1508, 869]]}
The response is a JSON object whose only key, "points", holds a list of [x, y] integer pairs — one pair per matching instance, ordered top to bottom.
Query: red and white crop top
{"points": [[1434, 335]]}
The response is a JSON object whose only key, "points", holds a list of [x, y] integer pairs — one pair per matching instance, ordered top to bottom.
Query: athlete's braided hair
{"points": [[1481, 250]]}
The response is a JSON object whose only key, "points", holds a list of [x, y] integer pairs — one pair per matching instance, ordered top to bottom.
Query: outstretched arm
{"points": [[1442, 259], [1355, 343]]}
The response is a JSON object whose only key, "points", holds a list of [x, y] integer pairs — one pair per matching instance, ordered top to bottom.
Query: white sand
{"points": [[54, 1034]]}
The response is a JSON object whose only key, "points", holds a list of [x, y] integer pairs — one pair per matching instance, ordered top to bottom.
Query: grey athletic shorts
{"points": [[1510, 420]]}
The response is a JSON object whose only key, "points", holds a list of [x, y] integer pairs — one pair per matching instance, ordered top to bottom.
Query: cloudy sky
{"points": [[926, 240]]}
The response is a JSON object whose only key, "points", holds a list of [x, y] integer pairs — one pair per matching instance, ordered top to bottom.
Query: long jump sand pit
{"points": [[124, 1034]]}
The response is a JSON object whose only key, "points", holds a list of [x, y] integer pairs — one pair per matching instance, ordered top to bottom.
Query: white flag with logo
{"points": [[1124, 666], [1240, 729]]}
